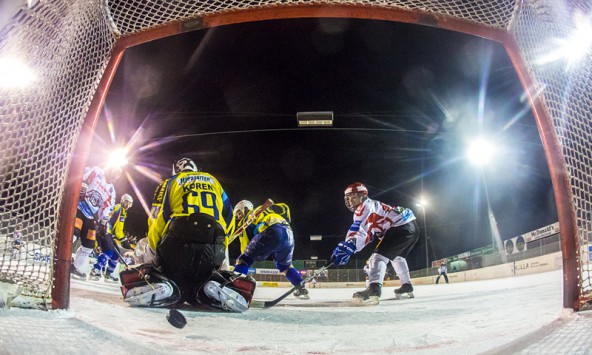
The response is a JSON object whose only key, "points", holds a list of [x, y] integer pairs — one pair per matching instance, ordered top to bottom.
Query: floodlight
{"points": [[480, 152], [118, 158]]}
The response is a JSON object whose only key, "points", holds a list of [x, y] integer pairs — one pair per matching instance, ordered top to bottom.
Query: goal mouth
{"points": [[46, 131]]}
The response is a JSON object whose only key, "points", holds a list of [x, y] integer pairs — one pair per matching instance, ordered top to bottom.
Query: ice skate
{"points": [[77, 273], [94, 275], [110, 277], [404, 289], [301, 293], [370, 296]]}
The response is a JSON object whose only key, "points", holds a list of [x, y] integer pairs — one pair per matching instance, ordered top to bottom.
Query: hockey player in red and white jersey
{"points": [[97, 197], [397, 230]]}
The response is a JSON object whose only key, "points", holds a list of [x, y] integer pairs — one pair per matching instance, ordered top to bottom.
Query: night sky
{"points": [[406, 100]]}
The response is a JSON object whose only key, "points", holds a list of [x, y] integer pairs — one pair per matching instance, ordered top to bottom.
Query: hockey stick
{"points": [[268, 203], [269, 304]]}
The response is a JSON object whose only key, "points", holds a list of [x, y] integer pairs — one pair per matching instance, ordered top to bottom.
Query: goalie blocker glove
{"points": [[343, 252]]}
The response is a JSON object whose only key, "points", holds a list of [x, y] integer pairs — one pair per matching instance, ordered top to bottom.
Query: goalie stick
{"points": [[268, 203], [269, 304]]}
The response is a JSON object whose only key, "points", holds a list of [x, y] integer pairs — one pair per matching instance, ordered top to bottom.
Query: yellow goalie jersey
{"points": [[184, 194], [277, 213]]}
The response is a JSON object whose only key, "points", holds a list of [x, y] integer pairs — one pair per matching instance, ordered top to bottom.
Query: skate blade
{"points": [[399, 296], [302, 297], [371, 301]]}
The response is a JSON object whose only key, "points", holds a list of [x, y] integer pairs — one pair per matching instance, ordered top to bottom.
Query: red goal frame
{"points": [[555, 158]]}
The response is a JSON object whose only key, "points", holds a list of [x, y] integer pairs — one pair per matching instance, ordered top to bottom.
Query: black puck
{"points": [[176, 319]]}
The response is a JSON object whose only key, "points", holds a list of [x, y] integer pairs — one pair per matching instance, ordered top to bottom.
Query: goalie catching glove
{"points": [[343, 252]]}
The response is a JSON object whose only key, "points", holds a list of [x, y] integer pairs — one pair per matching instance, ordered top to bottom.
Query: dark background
{"points": [[406, 99]]}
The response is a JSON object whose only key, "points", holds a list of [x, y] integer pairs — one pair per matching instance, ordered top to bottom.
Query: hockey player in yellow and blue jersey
{"points": [[191, 218], [112, 230], [268, 233]]}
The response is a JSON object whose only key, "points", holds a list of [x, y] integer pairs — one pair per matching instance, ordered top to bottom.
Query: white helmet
{"points": [[184, 164], [355, 194], [127, 198], [240, 207]]}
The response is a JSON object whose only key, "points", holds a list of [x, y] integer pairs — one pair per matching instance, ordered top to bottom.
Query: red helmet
{"points": [[356, 187]]}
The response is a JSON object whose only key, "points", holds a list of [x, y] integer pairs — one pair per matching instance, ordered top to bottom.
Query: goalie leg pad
{"points": [[145, 287], [227, 291], [153, 295]]}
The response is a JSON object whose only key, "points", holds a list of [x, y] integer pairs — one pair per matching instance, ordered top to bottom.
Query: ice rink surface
{"points": [[492, 316]]}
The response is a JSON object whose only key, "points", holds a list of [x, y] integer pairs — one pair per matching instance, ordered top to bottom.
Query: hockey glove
{"points": [[125, 243], [343, 252], [241, 269]]}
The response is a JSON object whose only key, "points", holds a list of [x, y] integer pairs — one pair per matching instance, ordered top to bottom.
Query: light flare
{"points": [[573, 48], [15, 73], [110, 128], [480, 152], [118, 158], [147, 172], [138, 194]]}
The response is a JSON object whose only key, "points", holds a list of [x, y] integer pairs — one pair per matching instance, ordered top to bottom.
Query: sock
{"points": [[81, 257], [377, 265], [402, 270], [293, 276]]}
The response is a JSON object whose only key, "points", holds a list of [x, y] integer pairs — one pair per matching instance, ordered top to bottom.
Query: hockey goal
{"points": [[74, 46]]}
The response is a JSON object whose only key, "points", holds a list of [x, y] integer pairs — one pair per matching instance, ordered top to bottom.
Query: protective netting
{"points": [[539, 28], [69, 42]]}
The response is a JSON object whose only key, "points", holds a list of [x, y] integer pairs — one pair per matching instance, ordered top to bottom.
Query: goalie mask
{"points": [[184, 164], [355, 194], [242, 209]]}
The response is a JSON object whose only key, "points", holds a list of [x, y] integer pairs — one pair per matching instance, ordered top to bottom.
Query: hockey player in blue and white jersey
{"points": [[97, 197], [113, 230], [397, 230]]}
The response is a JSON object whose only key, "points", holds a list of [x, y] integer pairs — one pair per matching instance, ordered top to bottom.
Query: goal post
{"points": [[51, 122]]}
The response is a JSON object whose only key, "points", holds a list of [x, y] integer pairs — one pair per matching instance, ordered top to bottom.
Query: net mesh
{"points": [[539, 28], [68, 43]]}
